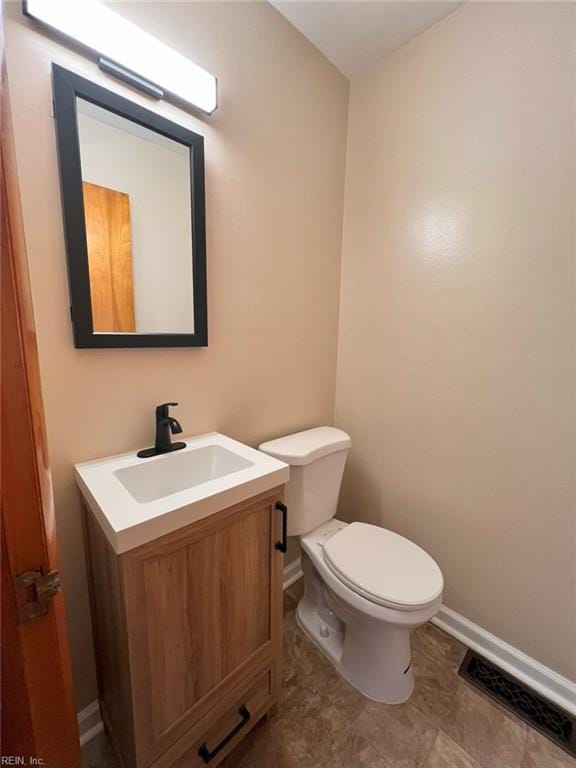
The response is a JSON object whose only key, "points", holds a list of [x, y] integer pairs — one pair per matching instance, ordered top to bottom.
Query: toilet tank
{"points": [[316, 458]]}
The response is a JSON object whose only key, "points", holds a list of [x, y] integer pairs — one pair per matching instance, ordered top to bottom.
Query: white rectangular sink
{"points": [[178, 471], [138, 500]]}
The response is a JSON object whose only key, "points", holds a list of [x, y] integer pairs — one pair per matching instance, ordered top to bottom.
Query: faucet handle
{"points": [[162, 411]]}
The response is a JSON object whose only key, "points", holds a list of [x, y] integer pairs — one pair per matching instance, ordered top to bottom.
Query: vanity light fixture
{"points": [[127, 52]]}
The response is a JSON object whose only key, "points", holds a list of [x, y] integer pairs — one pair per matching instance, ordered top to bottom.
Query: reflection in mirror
{"points": [[137, 209]]}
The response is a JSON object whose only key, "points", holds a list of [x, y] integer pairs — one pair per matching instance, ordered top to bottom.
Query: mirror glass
{"points": [[138, 219]]}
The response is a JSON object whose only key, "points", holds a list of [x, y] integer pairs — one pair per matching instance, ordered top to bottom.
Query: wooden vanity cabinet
{"points": [[188, 634]]}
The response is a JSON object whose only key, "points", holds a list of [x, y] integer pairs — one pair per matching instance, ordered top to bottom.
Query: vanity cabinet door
{"points": [[203, 611]]}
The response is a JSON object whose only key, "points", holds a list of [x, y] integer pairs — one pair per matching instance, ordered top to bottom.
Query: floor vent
{"points": [[552, 721]]}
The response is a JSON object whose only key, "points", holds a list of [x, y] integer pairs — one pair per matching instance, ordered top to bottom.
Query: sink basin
{"points": [[177, 471], [138, 500]]}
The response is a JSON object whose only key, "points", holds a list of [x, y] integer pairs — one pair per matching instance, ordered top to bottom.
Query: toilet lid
{"points": [[383, 567]]}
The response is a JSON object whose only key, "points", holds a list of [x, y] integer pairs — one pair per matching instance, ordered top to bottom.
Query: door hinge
{"points": [[39, 589]]}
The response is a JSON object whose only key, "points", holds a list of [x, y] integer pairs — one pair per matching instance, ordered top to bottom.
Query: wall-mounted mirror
{"points": [[133, 202]]}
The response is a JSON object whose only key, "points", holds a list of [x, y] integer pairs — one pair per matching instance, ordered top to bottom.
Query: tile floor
{"points": [[321, 722]]}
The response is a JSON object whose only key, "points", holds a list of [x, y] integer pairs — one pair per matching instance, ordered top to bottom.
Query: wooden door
{"points": [[109, 237], [203, 610], [38, 707]]}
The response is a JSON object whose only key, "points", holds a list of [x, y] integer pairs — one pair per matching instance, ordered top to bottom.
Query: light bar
{"points": [[116, 39]]}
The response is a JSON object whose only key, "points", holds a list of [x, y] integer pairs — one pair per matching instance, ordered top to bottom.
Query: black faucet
{"points": [[166, 426]]}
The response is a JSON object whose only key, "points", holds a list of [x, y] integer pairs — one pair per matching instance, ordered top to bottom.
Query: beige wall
{"points": [[274, 173], [455, 370]]}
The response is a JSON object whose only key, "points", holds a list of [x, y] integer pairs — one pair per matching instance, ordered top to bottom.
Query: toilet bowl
{"points": [[365, 587]]}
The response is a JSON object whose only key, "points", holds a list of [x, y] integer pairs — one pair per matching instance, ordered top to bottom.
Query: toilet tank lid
{"points": [[304, 447]]}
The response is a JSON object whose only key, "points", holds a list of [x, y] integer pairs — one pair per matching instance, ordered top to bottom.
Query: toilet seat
{"points": [[383, 567]]}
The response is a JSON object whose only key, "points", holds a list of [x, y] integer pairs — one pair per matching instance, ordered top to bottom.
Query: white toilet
{"points": [[365, 588]]}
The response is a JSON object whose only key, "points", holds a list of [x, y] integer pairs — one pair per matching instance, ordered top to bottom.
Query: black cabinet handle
{"points": [[283, 545], [208, 756]]}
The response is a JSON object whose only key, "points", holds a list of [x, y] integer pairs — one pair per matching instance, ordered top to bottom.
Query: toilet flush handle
{"points": [[283, 545]]}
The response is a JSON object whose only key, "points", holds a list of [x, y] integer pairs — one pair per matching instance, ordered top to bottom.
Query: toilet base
{"points": [[374, 657]]}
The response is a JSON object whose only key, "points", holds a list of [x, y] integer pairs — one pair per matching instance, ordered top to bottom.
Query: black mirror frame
{"points": [[67, 87]]}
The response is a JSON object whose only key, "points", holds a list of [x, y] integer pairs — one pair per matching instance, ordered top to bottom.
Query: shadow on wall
{"points": [[360, 497]]}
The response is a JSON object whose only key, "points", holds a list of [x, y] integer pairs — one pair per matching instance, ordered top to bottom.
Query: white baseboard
{"points": [[292, 572], [538, 677], [90, 722]]}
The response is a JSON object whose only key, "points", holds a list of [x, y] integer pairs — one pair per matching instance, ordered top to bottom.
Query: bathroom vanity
{"points": [[186, 591]]}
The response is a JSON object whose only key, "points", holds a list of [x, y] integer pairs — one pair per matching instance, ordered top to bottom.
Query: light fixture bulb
{"points": [[113, 37]]}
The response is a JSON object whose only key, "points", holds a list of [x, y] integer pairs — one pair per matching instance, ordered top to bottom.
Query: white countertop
{"points": [[128, 523]]}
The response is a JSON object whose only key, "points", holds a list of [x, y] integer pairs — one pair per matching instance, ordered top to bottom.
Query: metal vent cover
{"points": [[548, 718]]}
